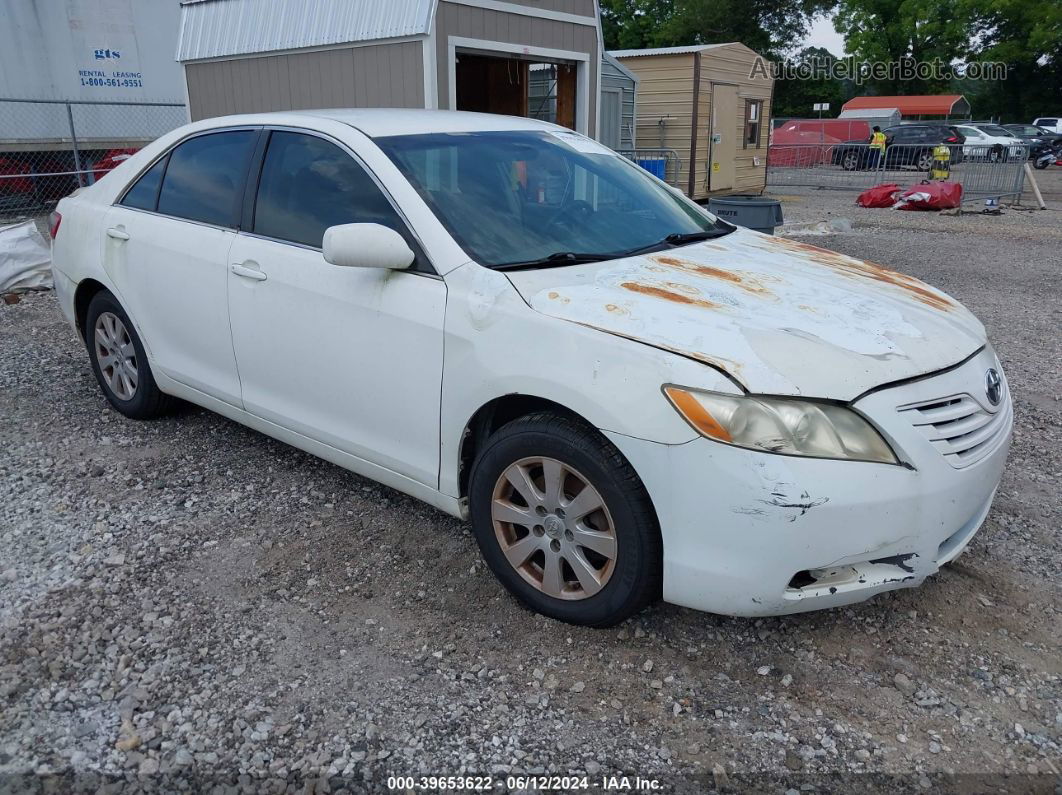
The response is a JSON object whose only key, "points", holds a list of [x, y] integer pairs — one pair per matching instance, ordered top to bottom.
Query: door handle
{"points": [[117, 234], [248, 273]]}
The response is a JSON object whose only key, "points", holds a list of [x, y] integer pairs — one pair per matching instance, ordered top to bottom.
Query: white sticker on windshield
{"points": [[581, 143]]}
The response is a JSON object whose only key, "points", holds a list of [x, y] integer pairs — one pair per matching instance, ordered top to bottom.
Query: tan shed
{"points": [[710, 104]]}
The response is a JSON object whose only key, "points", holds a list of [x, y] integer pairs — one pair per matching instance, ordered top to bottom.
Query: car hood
{"points": [[777, 315]]}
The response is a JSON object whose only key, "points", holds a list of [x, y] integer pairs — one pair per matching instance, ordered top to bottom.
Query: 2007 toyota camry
{"points": [[629, 398]]}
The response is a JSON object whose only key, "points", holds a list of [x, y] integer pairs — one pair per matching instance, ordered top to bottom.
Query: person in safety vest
{"points": [[877, 148], [941, 165]]}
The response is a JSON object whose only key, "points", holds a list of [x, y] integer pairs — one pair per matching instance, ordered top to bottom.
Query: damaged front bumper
{"points": [[751, 534]]}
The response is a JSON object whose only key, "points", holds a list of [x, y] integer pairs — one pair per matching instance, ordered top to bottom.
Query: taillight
{"points": [[951, 140], [53, 224]]}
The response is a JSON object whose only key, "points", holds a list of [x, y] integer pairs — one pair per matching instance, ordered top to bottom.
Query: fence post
{"points": [[73, 141]]}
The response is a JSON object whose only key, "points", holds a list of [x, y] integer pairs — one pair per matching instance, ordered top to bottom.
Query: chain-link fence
{"points": [[49, 148], [985, 171]]}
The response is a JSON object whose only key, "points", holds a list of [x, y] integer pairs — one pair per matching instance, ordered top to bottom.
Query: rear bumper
{"points": [[750, 534]]}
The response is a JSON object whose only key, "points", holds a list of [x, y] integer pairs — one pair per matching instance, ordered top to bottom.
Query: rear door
{"points": [[166, 250], [350, 357]]}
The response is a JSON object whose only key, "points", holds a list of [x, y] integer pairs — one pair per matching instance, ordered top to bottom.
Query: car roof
{"points": [[381, 122]]}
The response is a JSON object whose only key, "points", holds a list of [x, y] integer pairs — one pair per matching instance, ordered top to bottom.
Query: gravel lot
{"points": [[186, 603]]}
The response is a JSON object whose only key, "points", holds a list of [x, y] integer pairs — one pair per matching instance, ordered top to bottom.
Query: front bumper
{"points": [[750, 534]]}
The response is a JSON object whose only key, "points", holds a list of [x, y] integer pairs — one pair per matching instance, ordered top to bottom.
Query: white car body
{"points": [[1052, 123], [980, 143], [744, 313]]}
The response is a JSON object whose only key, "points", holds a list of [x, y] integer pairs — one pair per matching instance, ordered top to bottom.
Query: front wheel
{"points": [[119, 361], [564, 522]]}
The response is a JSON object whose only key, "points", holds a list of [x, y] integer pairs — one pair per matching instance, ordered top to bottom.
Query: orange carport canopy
{"points": [[938, 105]]}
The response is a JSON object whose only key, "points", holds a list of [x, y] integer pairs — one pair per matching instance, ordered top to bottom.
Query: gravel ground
{"points": [[185, 603]]}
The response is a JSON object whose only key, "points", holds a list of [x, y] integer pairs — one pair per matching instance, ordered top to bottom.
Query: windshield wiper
{"points": [[680, 239], [559, 258]]}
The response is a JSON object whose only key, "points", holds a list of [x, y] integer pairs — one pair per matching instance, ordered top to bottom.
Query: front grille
{"points": [[960, 427]]}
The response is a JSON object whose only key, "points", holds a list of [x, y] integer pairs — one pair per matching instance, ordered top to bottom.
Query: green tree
{"points": [[768, 26], [892, 32], [1026, 35], [795, 97]]}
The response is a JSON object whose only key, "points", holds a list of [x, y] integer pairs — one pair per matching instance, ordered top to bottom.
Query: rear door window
{"points": [[204, 180], [309, 184]]}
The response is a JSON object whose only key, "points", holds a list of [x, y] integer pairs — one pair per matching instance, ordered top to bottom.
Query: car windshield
{"points": [[995, 129], [533, 198]]}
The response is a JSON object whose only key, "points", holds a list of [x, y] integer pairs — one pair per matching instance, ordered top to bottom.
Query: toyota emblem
{"points": [[993, 386]]}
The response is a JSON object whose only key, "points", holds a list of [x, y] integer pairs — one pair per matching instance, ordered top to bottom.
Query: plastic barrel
{"points": [[654, 165], [754, 212]]}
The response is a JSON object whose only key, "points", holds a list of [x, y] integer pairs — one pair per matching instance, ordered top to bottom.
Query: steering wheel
{"points": [[570, 213]]}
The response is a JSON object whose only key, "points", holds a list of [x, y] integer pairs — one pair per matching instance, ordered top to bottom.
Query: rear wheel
{"points": [[850, 161], [925, 161], [119, 361], [564, 522]]}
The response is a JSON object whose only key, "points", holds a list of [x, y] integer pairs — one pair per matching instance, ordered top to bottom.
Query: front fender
{"points": [[496, 345]]}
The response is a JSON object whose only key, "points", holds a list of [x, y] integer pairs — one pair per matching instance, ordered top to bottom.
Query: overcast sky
{"points": [[823, 35]]}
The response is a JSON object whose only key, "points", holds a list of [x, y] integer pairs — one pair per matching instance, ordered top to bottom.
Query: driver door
{"points": [[347, 356]]}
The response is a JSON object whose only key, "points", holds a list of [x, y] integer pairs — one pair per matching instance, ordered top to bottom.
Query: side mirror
{"points": [[366, 246]]}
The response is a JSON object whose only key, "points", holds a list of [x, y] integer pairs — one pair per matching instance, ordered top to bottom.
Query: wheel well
{"points": [[86, 290], [493, 415]]}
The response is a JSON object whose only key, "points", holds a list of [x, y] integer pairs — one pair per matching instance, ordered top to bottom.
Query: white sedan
{"points": [[990, 142], [629, 398]]}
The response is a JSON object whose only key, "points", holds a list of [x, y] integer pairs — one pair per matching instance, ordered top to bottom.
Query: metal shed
{"points": [[258, 55], [709, 104]]}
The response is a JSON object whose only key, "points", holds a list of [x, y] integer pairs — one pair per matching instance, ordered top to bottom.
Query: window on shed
{"points": [[753, 123]]}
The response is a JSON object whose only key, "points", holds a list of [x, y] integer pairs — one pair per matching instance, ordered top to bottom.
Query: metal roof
{"points": [[217, 28], [667, 50], [921, 105]]}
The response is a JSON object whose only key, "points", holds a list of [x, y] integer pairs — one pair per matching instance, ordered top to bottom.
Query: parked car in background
{"points": [[1049, 123], [1037, 137], [990, 142], [907, 145], [627, 396]]}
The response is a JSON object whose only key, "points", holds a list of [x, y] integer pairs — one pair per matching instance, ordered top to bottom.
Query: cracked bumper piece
{"points": [[751, 534]]}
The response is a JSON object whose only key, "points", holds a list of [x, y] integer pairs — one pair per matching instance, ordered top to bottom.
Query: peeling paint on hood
{"points": [[779, 316]]}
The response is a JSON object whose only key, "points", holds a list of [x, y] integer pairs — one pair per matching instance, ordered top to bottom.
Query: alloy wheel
{"points": [[116, 355], [554, 528]]}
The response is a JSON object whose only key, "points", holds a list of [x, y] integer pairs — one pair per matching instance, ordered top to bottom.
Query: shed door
{"points": [[611, 105], [722, 147]]}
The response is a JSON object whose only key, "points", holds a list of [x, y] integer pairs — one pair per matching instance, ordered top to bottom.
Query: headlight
{"points": [[780, 425]]}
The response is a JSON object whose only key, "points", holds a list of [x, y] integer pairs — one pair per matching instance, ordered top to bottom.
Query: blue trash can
{"points": [[657, 166]]}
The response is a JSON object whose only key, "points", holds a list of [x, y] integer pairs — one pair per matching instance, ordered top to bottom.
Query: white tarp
{"points": [[25, 259]]}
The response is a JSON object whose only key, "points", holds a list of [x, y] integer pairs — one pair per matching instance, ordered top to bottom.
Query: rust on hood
{"points": [[867, 270], [744, 281], [669, 295]]}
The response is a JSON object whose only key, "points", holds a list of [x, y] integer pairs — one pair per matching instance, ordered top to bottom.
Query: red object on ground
{"points": [[879, 196], [931, 196]]}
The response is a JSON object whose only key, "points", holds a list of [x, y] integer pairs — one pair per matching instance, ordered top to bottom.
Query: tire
{"points": [[850, 161], [925, 161], [1040, 165], [111, 337], [620, 585]]}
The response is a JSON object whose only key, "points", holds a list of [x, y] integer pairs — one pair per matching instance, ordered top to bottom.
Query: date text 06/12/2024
{"points": [[614, 783]]}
